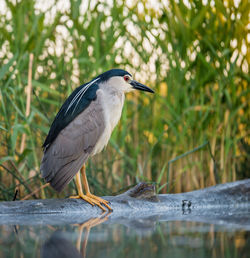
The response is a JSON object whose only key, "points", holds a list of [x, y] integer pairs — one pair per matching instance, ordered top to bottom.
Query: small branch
{"points": [[22, 181], [35, 191], [15, 195]]}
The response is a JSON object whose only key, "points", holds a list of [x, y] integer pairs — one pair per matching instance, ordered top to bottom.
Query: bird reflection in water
{"points": [[59, 246]]}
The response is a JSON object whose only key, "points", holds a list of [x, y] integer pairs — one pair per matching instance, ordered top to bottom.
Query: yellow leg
{"points": [[80, 192], [88, 197], [93, 197]]}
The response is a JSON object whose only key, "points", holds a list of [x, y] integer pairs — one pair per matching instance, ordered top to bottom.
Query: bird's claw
{"points": [[85, 198], [93, 200], [99, 201]]}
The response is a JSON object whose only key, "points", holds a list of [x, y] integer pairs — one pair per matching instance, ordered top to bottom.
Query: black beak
{"points": [[138, 86]]}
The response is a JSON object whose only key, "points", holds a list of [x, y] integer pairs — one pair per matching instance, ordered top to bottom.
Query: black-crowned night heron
{"points": [[82, 128]]}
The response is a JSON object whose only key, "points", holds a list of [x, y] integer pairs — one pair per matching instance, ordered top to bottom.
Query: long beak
{"points": [[138, 86]]}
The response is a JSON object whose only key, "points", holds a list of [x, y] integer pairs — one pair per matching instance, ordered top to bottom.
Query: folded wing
{"points": [[72, 146]]}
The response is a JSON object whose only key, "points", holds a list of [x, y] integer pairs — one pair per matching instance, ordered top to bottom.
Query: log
{"points": [[224, 203]]}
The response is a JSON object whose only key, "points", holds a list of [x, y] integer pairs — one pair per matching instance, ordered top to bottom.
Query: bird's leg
{"points": [[83, 196], [93, 197]]}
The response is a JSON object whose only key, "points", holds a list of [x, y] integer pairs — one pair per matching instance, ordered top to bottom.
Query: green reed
{"points": [[193, 57]]}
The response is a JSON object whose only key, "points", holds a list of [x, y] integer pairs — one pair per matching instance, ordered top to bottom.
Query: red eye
{"points": [[126, 78]]}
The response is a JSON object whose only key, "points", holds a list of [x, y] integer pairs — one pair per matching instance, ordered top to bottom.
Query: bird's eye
{"points": [[126, 78]]}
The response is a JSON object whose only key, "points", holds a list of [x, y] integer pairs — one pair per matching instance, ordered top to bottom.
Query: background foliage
{"points": [[195, 54]]}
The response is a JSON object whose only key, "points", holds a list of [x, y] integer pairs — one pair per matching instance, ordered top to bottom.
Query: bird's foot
{"points": [[84, 197], [93, 200], [99, 200]]}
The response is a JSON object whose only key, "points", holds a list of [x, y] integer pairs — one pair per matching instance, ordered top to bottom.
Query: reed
{"points": [[195, 57]]}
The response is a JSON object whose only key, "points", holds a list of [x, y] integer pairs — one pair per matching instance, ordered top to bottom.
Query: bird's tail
{"points": [[60, 173]]}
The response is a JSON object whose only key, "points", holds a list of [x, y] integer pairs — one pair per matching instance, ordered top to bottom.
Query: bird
{"points": [[82, 128]]}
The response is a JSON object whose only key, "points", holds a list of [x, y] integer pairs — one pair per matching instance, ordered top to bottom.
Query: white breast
{"points": [[112, 102]]}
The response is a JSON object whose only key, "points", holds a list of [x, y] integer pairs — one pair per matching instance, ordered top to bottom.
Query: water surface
{"points": [[184, 235]]}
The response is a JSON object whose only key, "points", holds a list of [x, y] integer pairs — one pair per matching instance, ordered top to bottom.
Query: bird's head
{"points": [[122, 80]]}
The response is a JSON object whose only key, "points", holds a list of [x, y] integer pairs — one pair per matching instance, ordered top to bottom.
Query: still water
{"points": [[155, 236]]}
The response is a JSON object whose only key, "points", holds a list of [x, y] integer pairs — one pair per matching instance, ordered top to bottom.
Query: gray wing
{"points": [[72, 147]]}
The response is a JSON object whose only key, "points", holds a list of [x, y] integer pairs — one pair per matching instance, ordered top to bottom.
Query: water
{"points": [[183, 235]]}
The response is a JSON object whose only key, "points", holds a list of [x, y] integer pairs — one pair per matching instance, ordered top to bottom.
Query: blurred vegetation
{"points": [[195, 54]]}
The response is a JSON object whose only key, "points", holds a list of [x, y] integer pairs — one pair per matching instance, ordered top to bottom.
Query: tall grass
{"points": [[195, 57]]}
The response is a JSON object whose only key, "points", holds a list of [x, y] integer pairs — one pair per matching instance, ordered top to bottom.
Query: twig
{"points": [[20, 175], [16, 192], [34, 192]]}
